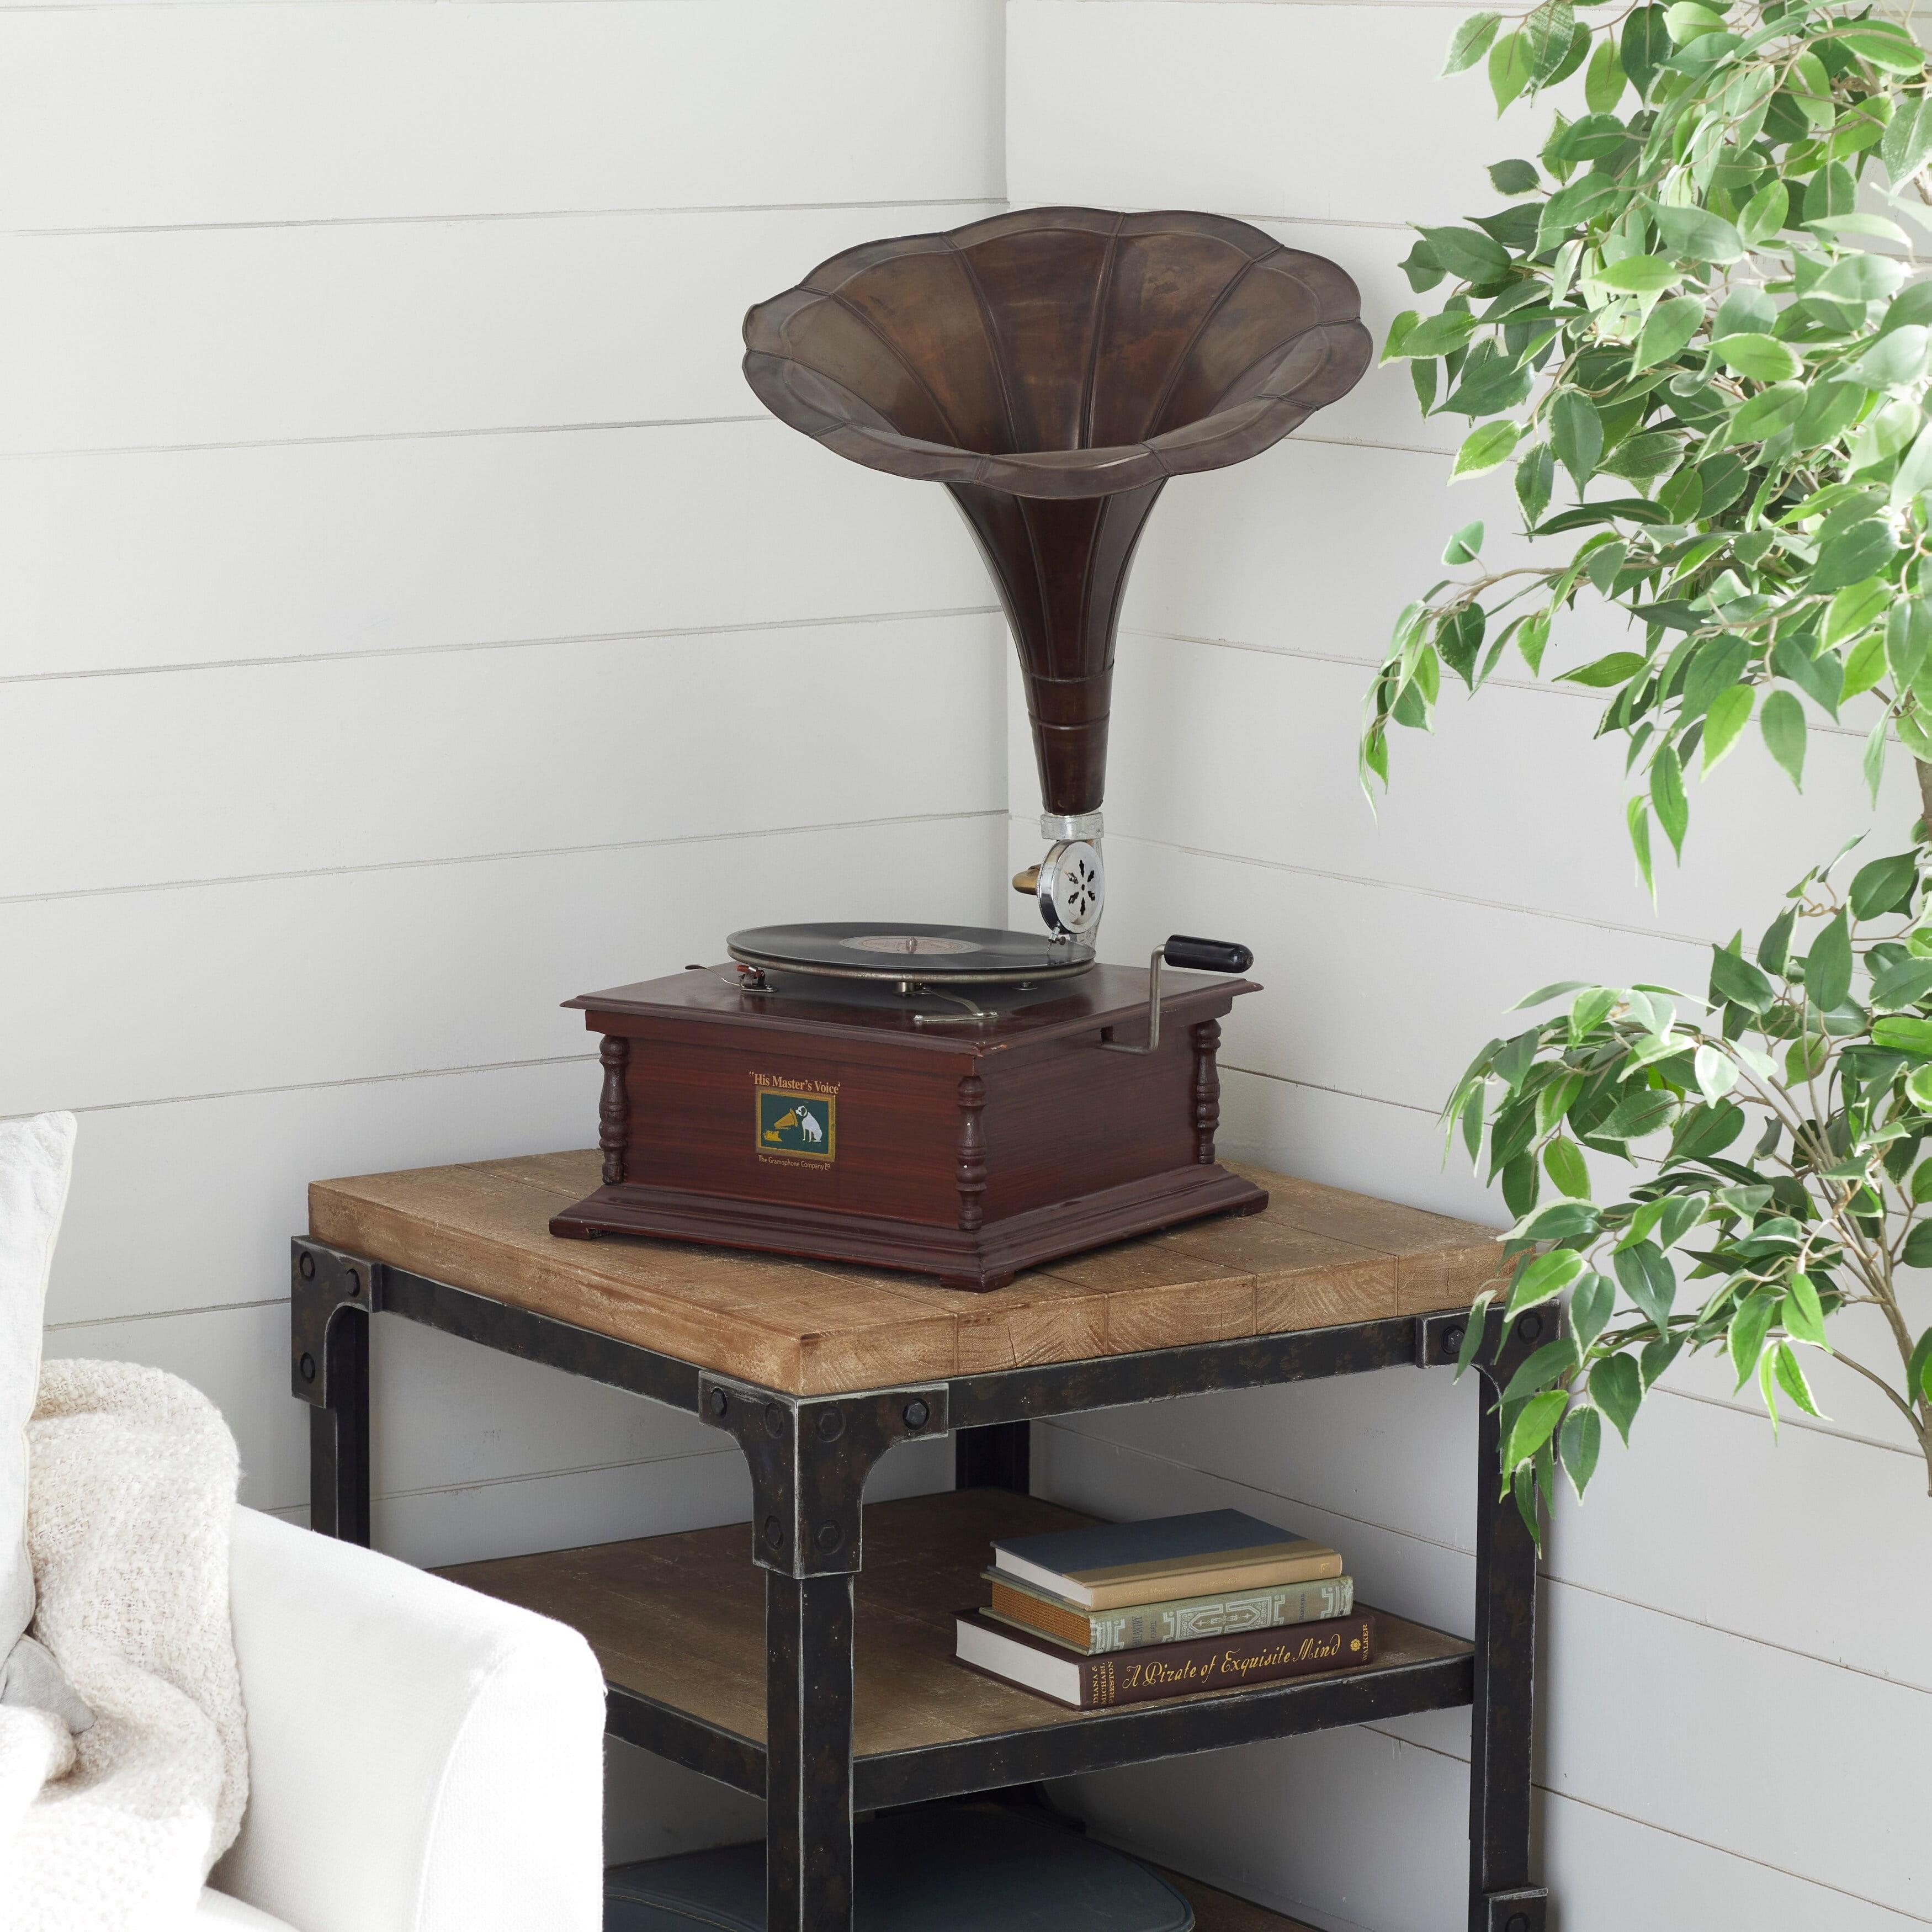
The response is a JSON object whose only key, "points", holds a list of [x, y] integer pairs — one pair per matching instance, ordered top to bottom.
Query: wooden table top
{"points": [[1317, 1256]]}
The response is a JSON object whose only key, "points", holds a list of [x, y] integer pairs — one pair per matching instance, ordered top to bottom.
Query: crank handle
{"points": [[1195, 955]]}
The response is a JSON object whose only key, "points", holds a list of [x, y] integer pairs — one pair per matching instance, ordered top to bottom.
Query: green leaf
{"points": [[1686, 20], [1547, 32], [1470, 42], [1883, 44], [1509, 68], [1603, 84], [1906, 145], [1514, 177], [1764, 213], [1697, 235], [1468, 253], [1640, 274], [1859, 278], [1666, 329], [1439, 334], [1763, 357], [1896, 358], [1768, 412], [1575, 435], [1882, 435], [1484, 449], [1653, 453], [1915, 472], [1466, 545], [1853, 554], [1854, 608], [1908, 640], [1865, 665], [1617, 668], [1730, 711], [1782, 722], [1666, 796], [1636, 822], [1885, 886], [1774, 948], [1828, 966], [1735, 981], [1904, 984], [1588, 1010], [1903, 1033], [1716, 1072], [1563, 1162], [1560, 1221], [1547, 1276], [1649, 1280], [1591, 1301], [1804, 1314], [1744, 1338], [1918, 1369], [1791, 1378], [1615, 1388], [1534, 1422], [1579, 1444]]}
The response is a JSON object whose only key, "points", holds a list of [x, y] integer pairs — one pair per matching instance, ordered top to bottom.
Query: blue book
{"points": [[1104, 1565]]}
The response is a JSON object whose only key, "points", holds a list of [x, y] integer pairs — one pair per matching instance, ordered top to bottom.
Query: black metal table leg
{"points": [[330, 1297], [809, 1458], [807, 1752], [1501, 1898]]}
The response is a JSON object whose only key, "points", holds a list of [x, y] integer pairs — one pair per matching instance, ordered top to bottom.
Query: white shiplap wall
{"points": [[410, 619], [1736, 1686]]}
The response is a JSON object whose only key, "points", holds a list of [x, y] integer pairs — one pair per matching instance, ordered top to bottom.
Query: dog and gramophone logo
{"points": [[797, 1119]]}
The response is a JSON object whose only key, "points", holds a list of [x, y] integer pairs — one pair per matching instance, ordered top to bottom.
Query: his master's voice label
{"points": [[797, 1122]]}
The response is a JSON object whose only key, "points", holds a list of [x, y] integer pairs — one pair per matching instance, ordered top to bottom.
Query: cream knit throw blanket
{"points": [[131, 1487]]}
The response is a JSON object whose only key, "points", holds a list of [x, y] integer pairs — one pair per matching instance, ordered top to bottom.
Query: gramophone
{"points": [[958, 1101]]}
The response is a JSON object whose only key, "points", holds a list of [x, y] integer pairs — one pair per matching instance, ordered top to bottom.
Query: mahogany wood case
{"points": [[965, 1153]]}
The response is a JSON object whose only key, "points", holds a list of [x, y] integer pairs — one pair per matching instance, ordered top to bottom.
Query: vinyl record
{"points": [[901, 951]]}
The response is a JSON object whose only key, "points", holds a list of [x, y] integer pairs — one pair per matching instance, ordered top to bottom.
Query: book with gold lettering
{"points": [[1177, 1620], [1165, 1670]]}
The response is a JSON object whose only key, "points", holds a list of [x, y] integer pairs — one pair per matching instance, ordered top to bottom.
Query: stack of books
{"points": [[1119, 1613]]}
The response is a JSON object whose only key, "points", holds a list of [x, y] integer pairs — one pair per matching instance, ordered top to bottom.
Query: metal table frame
{"points": [[809, 1457]]}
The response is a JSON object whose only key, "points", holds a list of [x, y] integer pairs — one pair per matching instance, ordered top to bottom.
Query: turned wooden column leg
{"points": [[1206, 1090], [613, 1108], [971, 1169]]}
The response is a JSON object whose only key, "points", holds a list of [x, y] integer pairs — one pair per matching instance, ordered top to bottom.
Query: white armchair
{"points": [[422, 1759]]}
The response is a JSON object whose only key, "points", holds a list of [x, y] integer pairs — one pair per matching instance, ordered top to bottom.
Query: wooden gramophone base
{"points": [[815, 1123], [988, 1257]]}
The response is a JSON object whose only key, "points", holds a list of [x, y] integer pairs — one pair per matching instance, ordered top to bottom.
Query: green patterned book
{"points": [[1227, 1613]]}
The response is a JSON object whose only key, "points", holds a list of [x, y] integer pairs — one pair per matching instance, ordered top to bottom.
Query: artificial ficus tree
{"points": [[1692, 335]]}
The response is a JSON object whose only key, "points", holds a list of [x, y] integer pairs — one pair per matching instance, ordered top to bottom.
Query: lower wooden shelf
{"points": [[677, 1623]]}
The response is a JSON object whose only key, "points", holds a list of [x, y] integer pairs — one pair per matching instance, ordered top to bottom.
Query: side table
{"points": [[818, 1372]]}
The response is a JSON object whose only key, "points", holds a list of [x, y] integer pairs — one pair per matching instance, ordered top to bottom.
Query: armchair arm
{"points": [[422, 1759]]}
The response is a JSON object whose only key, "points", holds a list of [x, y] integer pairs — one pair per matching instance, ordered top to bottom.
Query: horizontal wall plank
{"points": [[1238, 109], [140, 116], [248, 334], [217, 555], [446, 754], [1507, 800], [336, 976], [1383, 990], [192, 1203], [1380, 1449], [1682, 1680], [1306, 1825]]}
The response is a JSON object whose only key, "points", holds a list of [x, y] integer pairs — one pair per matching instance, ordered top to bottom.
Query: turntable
{"points": [[954, 1100]]}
